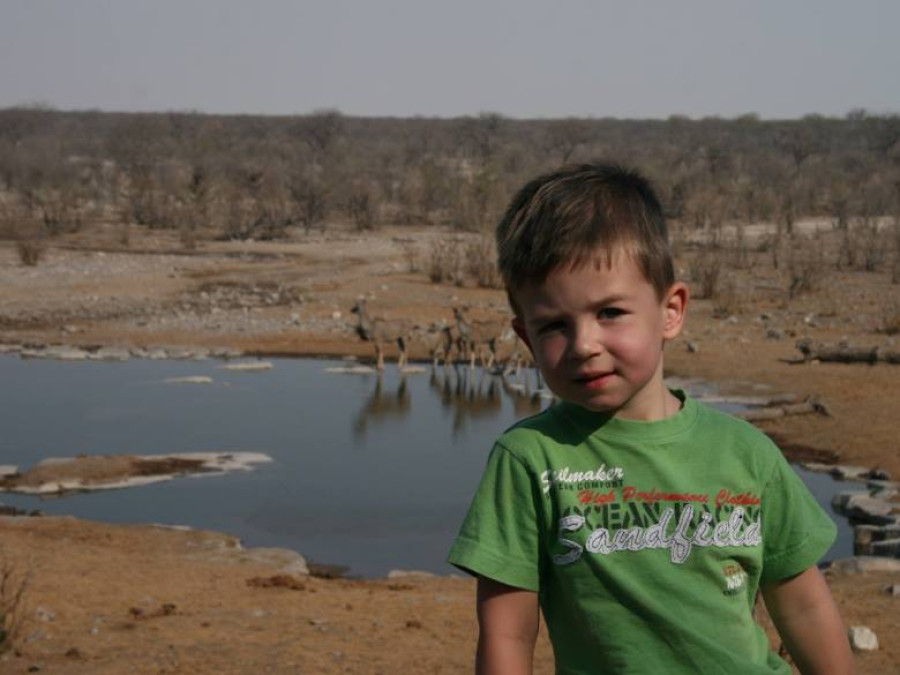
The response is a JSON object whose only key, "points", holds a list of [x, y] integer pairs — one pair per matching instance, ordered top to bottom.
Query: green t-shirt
{"points": [[646, 541]]}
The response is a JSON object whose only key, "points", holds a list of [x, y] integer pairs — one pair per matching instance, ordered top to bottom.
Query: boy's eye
{"points": [[610, 313], [550, 327]]}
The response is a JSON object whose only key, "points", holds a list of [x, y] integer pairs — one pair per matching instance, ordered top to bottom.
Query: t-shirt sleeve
{"points": [[796, 530], [499, 538]]}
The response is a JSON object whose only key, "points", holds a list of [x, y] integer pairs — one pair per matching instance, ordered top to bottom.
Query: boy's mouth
{"points": [[595, 380]]}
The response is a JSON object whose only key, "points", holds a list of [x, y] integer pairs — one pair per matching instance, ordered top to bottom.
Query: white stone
{"points": [[110, 354], [248, 366], [190, 379], [863, 639]]}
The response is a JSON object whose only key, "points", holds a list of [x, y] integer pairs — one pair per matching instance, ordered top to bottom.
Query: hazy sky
{"points": [[524, 58]]}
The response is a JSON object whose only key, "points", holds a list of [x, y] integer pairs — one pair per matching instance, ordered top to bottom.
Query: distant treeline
{"points": [[255, 176]]}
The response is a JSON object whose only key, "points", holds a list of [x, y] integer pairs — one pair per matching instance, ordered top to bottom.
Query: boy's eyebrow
{"points": [[551, 314]]}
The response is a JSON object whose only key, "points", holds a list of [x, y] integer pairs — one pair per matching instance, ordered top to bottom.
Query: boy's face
{"points": [[597, 335]]}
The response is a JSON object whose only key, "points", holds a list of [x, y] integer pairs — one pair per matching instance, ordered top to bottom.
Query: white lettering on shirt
{"points": [[731, 532]]}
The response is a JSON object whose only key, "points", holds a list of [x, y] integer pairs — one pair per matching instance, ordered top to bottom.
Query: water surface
{"points": [[373, 473]]}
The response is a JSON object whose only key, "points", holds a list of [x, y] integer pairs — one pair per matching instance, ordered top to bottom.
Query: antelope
{"points": [[380, 332], [477, 338], [443, 343]]}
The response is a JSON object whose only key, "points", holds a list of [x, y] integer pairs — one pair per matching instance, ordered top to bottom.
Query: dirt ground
{"points": [[109, 599]]}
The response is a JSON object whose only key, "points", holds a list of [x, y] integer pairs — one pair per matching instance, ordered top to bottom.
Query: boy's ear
{"points": [[674, 310], [519, 327]]}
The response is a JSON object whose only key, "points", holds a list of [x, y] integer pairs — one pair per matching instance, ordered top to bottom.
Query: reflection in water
{"points": [[465, 392], [383, 405]]}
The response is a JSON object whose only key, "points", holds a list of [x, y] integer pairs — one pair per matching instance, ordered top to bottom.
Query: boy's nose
{"points": [[586, 342]]}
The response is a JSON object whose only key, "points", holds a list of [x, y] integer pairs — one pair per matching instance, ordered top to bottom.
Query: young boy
{"points": [[641, 522]]}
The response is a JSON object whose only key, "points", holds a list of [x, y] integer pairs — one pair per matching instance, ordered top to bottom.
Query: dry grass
{"points": [[14, 585]]}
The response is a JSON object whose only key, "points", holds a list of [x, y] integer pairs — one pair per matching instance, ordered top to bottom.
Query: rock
{"points": [[773, 334], [692, 347], [62, 353], [225, 353], [110, 354], [248, 367], [190, 379], [8, 470], [849, 472], [883, 489], [841, 500], [869, 510], [865, 536], [887, 547], [284, 560], [865, 563], [407, 574], [894, 590], [45, 614], [863, 639]]}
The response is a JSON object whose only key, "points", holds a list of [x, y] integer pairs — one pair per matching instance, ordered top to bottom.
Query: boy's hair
{"points": [[566, 217]]}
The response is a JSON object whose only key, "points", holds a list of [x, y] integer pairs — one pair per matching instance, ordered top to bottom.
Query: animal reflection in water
{"points": [[467, 393], [383, 404]]}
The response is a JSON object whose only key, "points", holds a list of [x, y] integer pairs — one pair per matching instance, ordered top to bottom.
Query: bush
{"points": [[30, 251], [445, 261], [481, 262], [806, 265], [706, 270], [890, 318]]}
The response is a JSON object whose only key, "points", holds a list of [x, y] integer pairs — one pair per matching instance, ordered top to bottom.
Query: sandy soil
{"points": [[99, 596]]}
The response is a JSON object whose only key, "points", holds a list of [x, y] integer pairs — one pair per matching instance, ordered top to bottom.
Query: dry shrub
{"points": [[31, 251], [445, 260], [481, 262], [806, 265], [706, 271], [728, 300], [890, 318], [14, 585]]}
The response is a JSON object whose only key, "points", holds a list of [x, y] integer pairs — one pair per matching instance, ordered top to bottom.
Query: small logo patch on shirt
{"points": [[735, 579]]}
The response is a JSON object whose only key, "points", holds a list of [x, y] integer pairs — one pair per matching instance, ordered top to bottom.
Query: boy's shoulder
{"points": [[700, 425]]}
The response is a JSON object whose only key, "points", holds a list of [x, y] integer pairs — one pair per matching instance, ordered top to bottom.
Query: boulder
{"points": [[850, 472], [841, 500], [869, 509], [865, 536], [887, 547], [284, 560], [865, 563], [863, 639]]}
